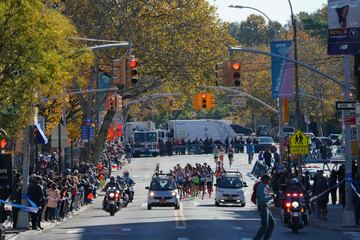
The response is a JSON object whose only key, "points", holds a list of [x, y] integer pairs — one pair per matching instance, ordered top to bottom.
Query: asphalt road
{"points": [[197, 218]]}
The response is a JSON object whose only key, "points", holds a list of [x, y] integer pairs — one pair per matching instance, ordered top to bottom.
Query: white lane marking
{"points": [[135, 176], [146, 176], [144, 204], [196, 204], [179, 218], [238, 228], [126, 229], [75, 231], [182, 238], [246, 238]]}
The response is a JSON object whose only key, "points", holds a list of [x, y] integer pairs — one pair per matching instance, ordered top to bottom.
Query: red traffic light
{"points": [[133, 63], [236, 66]]}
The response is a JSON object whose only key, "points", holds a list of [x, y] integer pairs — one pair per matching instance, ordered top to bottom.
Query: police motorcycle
{"points": [[125, 199], [112, 202], [294, 214]]}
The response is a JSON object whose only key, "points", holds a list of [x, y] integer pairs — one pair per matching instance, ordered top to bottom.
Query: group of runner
{"points": [[194, 181]]}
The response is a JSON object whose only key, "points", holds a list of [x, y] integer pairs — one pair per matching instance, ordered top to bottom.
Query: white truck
{"points": [[131, 127], [218, 130], [144, 138]]}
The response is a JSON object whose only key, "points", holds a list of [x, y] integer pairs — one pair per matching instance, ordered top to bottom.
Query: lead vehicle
{"points": [[230, 189], [163, 192]]}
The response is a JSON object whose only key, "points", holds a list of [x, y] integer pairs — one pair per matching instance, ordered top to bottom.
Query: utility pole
{"points": [[357, 80], [297, 100], [23, 217], [348, 217]]}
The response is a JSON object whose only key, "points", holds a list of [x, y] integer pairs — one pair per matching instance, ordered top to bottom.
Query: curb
{"points": [[47, 226]]}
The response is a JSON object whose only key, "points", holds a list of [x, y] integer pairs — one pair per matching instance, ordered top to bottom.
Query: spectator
{"points": [[267, 158], [332, 185], [320, 189], [36, 194], [53, 196], [16, 198], [263, 199]]}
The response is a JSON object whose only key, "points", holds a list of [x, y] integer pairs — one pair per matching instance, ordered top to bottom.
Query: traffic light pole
{"points": [[349, 217]]}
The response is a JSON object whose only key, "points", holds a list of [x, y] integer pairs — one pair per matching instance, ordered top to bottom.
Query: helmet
{"points": [[126, 173], [118, 178], [112, 179], [294, 180]]}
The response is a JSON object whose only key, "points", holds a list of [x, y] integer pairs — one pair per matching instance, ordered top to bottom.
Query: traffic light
{"points": [[119, 71], [220, 72], [133, 73], [234, 73], [171, 101], [204, 101], [211, 101], [195, 102], [111, 103], [119, 104]]}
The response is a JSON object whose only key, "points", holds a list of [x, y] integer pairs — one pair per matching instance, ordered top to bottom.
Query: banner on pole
{"points": [[343, 27], [282, 71]]}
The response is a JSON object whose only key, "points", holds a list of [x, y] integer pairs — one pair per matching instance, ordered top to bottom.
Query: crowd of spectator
{"points": [[56, 195]]}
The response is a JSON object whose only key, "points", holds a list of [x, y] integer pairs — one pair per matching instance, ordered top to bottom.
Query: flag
{"points": [[282, 70]]}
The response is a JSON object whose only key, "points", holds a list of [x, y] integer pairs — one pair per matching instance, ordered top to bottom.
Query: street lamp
{"points": [[258, 10], [297, 103]]}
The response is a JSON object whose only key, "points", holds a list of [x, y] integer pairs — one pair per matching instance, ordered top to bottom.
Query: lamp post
{"points": [[258, 10], [297, 100]]}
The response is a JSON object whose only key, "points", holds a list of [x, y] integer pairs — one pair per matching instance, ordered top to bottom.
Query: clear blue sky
{"points": [[278, 10]]}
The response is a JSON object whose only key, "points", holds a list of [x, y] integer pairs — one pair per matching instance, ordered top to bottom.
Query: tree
{"points": [[315, 24], [254, 31], [177, 42], [34, 59]]}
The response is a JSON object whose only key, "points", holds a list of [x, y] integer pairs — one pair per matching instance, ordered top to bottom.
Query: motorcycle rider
{"points": [[128, 180], [111, 184], [294, 186]]}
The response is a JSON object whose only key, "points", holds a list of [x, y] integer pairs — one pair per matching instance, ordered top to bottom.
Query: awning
{"points": [[40, 135]]}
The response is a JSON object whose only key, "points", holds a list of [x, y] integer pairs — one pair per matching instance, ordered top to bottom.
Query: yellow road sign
{"points": [[299, 143]]}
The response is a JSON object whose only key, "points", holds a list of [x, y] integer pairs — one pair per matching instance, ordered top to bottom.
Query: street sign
{"points": [[239, 102], [345, 105], [357, 114], [349, 120], [55, 136], [299, 143]]}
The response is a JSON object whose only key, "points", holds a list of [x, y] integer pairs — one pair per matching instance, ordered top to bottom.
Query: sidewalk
{"points": [[334, 220], [334, 223], [13, 234]]}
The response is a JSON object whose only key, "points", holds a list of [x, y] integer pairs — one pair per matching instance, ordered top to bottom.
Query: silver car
{"points": [[163, 192]]}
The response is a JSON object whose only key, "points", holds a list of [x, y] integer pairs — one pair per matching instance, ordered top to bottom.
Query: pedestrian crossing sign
{"points": [[299, 143]]}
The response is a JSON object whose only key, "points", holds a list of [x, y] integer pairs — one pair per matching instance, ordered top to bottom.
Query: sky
{"points": [[278, 10]]}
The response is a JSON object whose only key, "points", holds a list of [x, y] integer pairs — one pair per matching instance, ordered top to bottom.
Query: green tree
{"points": [[34, 58]]}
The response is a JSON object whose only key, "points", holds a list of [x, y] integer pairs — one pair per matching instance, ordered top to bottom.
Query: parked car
{"points": [[241, 130], [261, 130], [288, 131], [310, 135], [335, 139], [324, 140], [265, 143], [230, 189]]}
